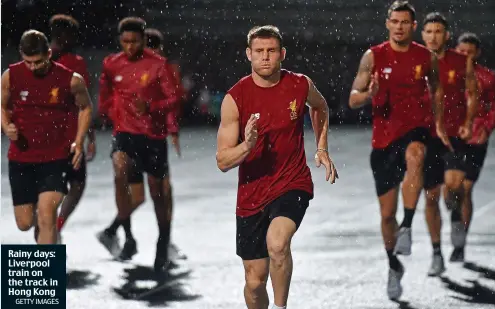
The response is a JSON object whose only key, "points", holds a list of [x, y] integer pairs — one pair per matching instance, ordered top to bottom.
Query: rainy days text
{"points": [[42, 260], [35, 289]]}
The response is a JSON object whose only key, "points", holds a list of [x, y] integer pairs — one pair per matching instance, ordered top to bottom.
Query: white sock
{"points": [[277, 307]]}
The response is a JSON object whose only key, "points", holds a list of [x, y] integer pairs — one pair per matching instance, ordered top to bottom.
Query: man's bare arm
{"points": [[436, 90], [472, 92], [360, 95], [5, 100], [83, 101], [319, 115], [229, 152]]}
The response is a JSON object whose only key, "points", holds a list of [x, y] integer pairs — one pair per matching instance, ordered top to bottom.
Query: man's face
{"points": [[401, 27], [435, 36], [132, 43], [468, 49], [266, 56], [38, 64]]}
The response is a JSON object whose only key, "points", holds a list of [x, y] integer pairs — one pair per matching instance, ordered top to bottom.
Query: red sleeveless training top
{"points": [[277, 164]]}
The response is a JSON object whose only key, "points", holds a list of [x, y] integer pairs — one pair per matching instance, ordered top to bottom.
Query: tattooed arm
{"points": [[365, 85]]}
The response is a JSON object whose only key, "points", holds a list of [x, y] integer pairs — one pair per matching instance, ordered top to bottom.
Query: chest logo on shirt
{"points": [[417, 72], [451, 77], [118, 78], [144, 79], [24, 95], [53, 96], [293, 109]]}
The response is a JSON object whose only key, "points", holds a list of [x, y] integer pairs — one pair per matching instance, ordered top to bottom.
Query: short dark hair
{"points": [[402, 6], [436, 17], [61, 24], [132, 24], [267, 31], [154, 38], [470, 38], [33, 42]]}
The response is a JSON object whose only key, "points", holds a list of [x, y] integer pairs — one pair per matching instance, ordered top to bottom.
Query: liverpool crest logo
{"points": [[293, 110]]}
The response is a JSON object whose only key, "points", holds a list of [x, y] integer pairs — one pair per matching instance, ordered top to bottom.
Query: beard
{"points": [[40, 72]]}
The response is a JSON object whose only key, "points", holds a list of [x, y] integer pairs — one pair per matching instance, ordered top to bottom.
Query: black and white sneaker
{"points": [[110, 242]]}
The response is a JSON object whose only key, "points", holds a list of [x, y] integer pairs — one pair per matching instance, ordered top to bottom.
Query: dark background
{"points": [[324, 39]]}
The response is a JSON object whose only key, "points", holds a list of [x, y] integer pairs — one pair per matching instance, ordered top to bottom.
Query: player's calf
{"points": [[412, 184], [453, 190], [158, 195], [454, 196], [123, 197], [70, 202], [467, 203], [278, 241], [256, 275]]}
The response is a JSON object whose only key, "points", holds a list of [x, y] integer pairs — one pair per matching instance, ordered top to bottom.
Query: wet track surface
{"points": [[339, 260]]}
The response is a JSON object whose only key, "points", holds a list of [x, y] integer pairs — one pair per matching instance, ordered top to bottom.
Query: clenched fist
{"points": [[11, 132], [251, 132]]}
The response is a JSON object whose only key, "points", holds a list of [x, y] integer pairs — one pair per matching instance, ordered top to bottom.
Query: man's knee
{"points": [[415, 155], [454, 180], [159, 188], [432, 198], [388, 205], [47, 208], [24, 217], [279, 237], [278, 249], [256, 275]]}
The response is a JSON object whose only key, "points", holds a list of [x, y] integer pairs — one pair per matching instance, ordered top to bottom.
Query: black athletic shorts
{"points": [[149, 155], [475, 158], [439, 160], [389, 164], [77, 175], [135, 175], [28, 180], [252, 230]]}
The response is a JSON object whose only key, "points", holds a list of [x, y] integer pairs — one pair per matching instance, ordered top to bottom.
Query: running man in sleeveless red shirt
{"points": [[64, 30], [155, 42], [470, 45], [395, 76], [139, 90], [37, 98], [261, 131], [442, 166]]}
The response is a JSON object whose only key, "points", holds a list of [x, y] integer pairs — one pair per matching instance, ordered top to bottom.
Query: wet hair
{"points": [[402, 6], [436, 17], [132, 24], [63, 25], [267, 31], [154, 38], [470, 38], [33, 42]]}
